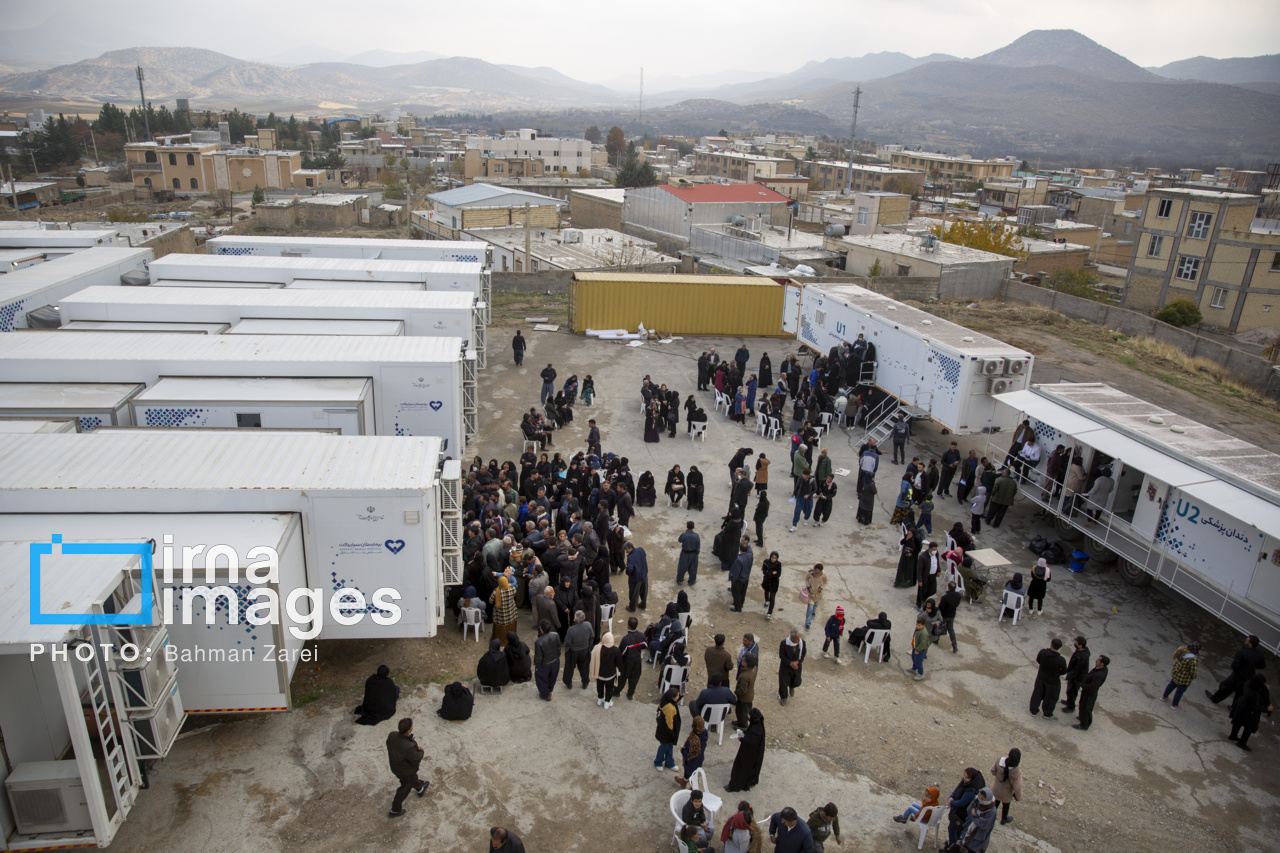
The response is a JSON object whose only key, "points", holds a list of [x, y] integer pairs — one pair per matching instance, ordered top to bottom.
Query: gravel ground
{"points": [[570, 776]]}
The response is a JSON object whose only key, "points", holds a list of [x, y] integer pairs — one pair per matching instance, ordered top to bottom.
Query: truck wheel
{"points": [[1066, 529], [1101, 554], [1134, 575]]}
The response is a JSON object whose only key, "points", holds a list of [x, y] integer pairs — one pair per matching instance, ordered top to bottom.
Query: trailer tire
{"points": [[1066, 529], [1101, 554], [1134, 575]]}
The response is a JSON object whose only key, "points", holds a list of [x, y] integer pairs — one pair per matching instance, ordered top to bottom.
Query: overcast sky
{"points": [[600, 42]]}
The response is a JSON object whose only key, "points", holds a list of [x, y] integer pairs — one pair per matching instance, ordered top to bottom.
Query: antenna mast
{"points": [[143, 95], [640, 114], [853, 134]]}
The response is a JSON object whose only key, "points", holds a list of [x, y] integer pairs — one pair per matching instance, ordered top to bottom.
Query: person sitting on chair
{"points": [[675, 485], [858, 635], [718, 693], [380, 695]]}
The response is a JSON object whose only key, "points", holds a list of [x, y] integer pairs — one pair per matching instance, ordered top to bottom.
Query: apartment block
{"points": [[556, 154], [476, 164], [181, 165], [736, 166], [946, 168], [831, 175], [1205, 246]]}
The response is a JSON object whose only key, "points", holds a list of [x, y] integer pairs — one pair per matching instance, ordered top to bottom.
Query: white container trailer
{"points": [[40, 238], [462, 251], [12, 260], [470, 278], [313, 284], [43, 285], [240, 285], [423, 314], [142, 326], [273, 326], [943, 370], [421, 386], [296, 403], [89, 404], [21, 426], [1191, 507], [375, 513], [223, 667]]}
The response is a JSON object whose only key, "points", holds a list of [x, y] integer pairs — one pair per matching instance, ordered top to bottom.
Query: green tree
{"points": [[111, 119], [593, 135], [616, 144], [811, 153], [1024, 167], [633, 173], [259, 195], [989, 236], [875, 269], [1180, 312]]}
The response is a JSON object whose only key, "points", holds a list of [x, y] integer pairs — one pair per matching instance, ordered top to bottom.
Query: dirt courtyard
{"points": [[570, 776]]}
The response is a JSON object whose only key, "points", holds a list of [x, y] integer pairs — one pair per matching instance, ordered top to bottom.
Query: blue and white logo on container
{"points": [[142, 549]]}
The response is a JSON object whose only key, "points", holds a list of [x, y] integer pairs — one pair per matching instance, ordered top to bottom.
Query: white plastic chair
{"points": [[825, 418], [762, 423], [775, 429], [699, 431], [818, 431], [529, 444], [951, 543], [953, 575], [1012, 601], [472, 617], [606, 618], [686, 619], [874, 640], [673, 675], [715, 716], [698, 781], [934, 822]]}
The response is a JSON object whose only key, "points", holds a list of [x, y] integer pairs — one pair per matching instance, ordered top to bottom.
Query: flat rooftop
{"points": [[599, 247], [912, 247]]}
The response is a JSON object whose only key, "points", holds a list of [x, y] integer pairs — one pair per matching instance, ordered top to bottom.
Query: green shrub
{"points": [[1180, 313]]}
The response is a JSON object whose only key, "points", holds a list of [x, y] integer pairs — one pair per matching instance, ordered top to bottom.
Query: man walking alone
{"points": [[405, 757]]}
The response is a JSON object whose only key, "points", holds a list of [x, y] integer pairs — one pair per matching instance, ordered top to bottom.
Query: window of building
{"points": [[149, 156], [173, 159], [191, 159], [147, 181], [311, 182], [177, 183], [195, 185], [1164, 208], [863, 215], [1127, 226], [1199, 227], [1154, 247], [1275, 262], [1188, 268], [904, 270], [1219, 298]]}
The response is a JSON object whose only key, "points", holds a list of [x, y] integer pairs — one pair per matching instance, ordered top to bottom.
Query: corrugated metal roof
{"points": [[726, 194], [487, 195], [27, 238], [338, 243], [178, 266], [661, 278], [21, 282], [417, 300], [145, 346], [245, 389], [73, 396], [176, 461], [68, 584]]}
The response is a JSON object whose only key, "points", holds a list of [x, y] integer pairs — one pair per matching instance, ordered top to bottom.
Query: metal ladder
{"points": [[879, 422], [113, 746]]}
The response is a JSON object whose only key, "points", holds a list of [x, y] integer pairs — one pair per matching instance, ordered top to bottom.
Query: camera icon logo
{"points": [[142, 549]]}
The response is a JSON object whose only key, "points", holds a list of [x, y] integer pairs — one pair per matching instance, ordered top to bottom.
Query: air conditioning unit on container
{"points": [[993, 366], [999, 386], [145, 680], [155, 731], [48, 796]]}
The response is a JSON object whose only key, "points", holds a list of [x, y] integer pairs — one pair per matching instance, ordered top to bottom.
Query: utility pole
{"points": [[143, 95], [640, 113], [853, 134], [94, 140], [13, 191], [528, 265]]}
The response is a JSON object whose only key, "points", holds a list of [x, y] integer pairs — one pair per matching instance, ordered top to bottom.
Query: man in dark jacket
{"points": [[518, 347], [704, 372], [548, 384], [950, 465], [968, 476], [1002, 496], [738, 497], [624, 505], [740, 575], [637, 578], [948, 606], [632, 646], [577, 649], [791, 654], [546, 659], [718, 659], [1246, 662], [1077, 669], [1048, 680], [1089, 691], [718, 693], [405, 757], [788, 833], [505, 841]]}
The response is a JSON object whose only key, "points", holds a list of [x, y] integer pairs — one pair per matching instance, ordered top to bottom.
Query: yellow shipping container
{"points": [[729, 305]]}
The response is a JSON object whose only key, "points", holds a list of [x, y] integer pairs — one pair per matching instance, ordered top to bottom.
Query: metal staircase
{"points": [[908, 402], [115, 749]]}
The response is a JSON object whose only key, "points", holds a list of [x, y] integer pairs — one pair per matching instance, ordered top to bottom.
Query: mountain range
{"points": [[1048, 92]]}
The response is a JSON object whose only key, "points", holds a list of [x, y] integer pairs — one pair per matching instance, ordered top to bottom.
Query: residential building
{"points": [[556, 153], [478, 165], [737, 166], [186, 167], [945, 168], [831, 175], [549, 184], [794, 188], [28, 194], [1005, 197], [1094, 205], [600, 208], [319, 211], [665, 213], [860, 213], [447, 214], [1205, 246], [727, 248], [582, 249], [1045, 257], [959, 271]]}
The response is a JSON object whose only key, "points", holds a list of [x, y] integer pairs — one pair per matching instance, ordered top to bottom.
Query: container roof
{"points": [[726, 194], [338, 242], [28, 280], [300, 295], [315, 326], [214, 389], [72, 396], [238, 460], [68, 584]]}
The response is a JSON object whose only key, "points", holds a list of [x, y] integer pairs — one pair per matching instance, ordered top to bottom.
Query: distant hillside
{"points": [[1066, 49], [385, 58], [1251, 69], [702, 117]]}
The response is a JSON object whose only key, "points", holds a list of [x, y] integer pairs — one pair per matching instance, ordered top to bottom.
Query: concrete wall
{"points": [[590, 211], [556, 281], [1251, 369]]}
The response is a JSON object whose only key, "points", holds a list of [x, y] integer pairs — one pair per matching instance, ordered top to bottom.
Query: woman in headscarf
{"points": [[766, 371], [752, 385], [571, 390], [588, 390], [651, 421], [694, 484], [675, 485], [646, 490], [866, 502], [903, 505], [961, 536], [910, 544], [771, 577], [1014, 585], [1038, 586], [470, 600], [503, 602], [682, 602], [589, 604], [858, 635], [605, 658], [518, 663], [492, 670], [380, 695], [1246, 712], [668, 730], [694, 751], [750, 757], [1007, 784], [965, 793], [927, 805], [741, 833]]}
